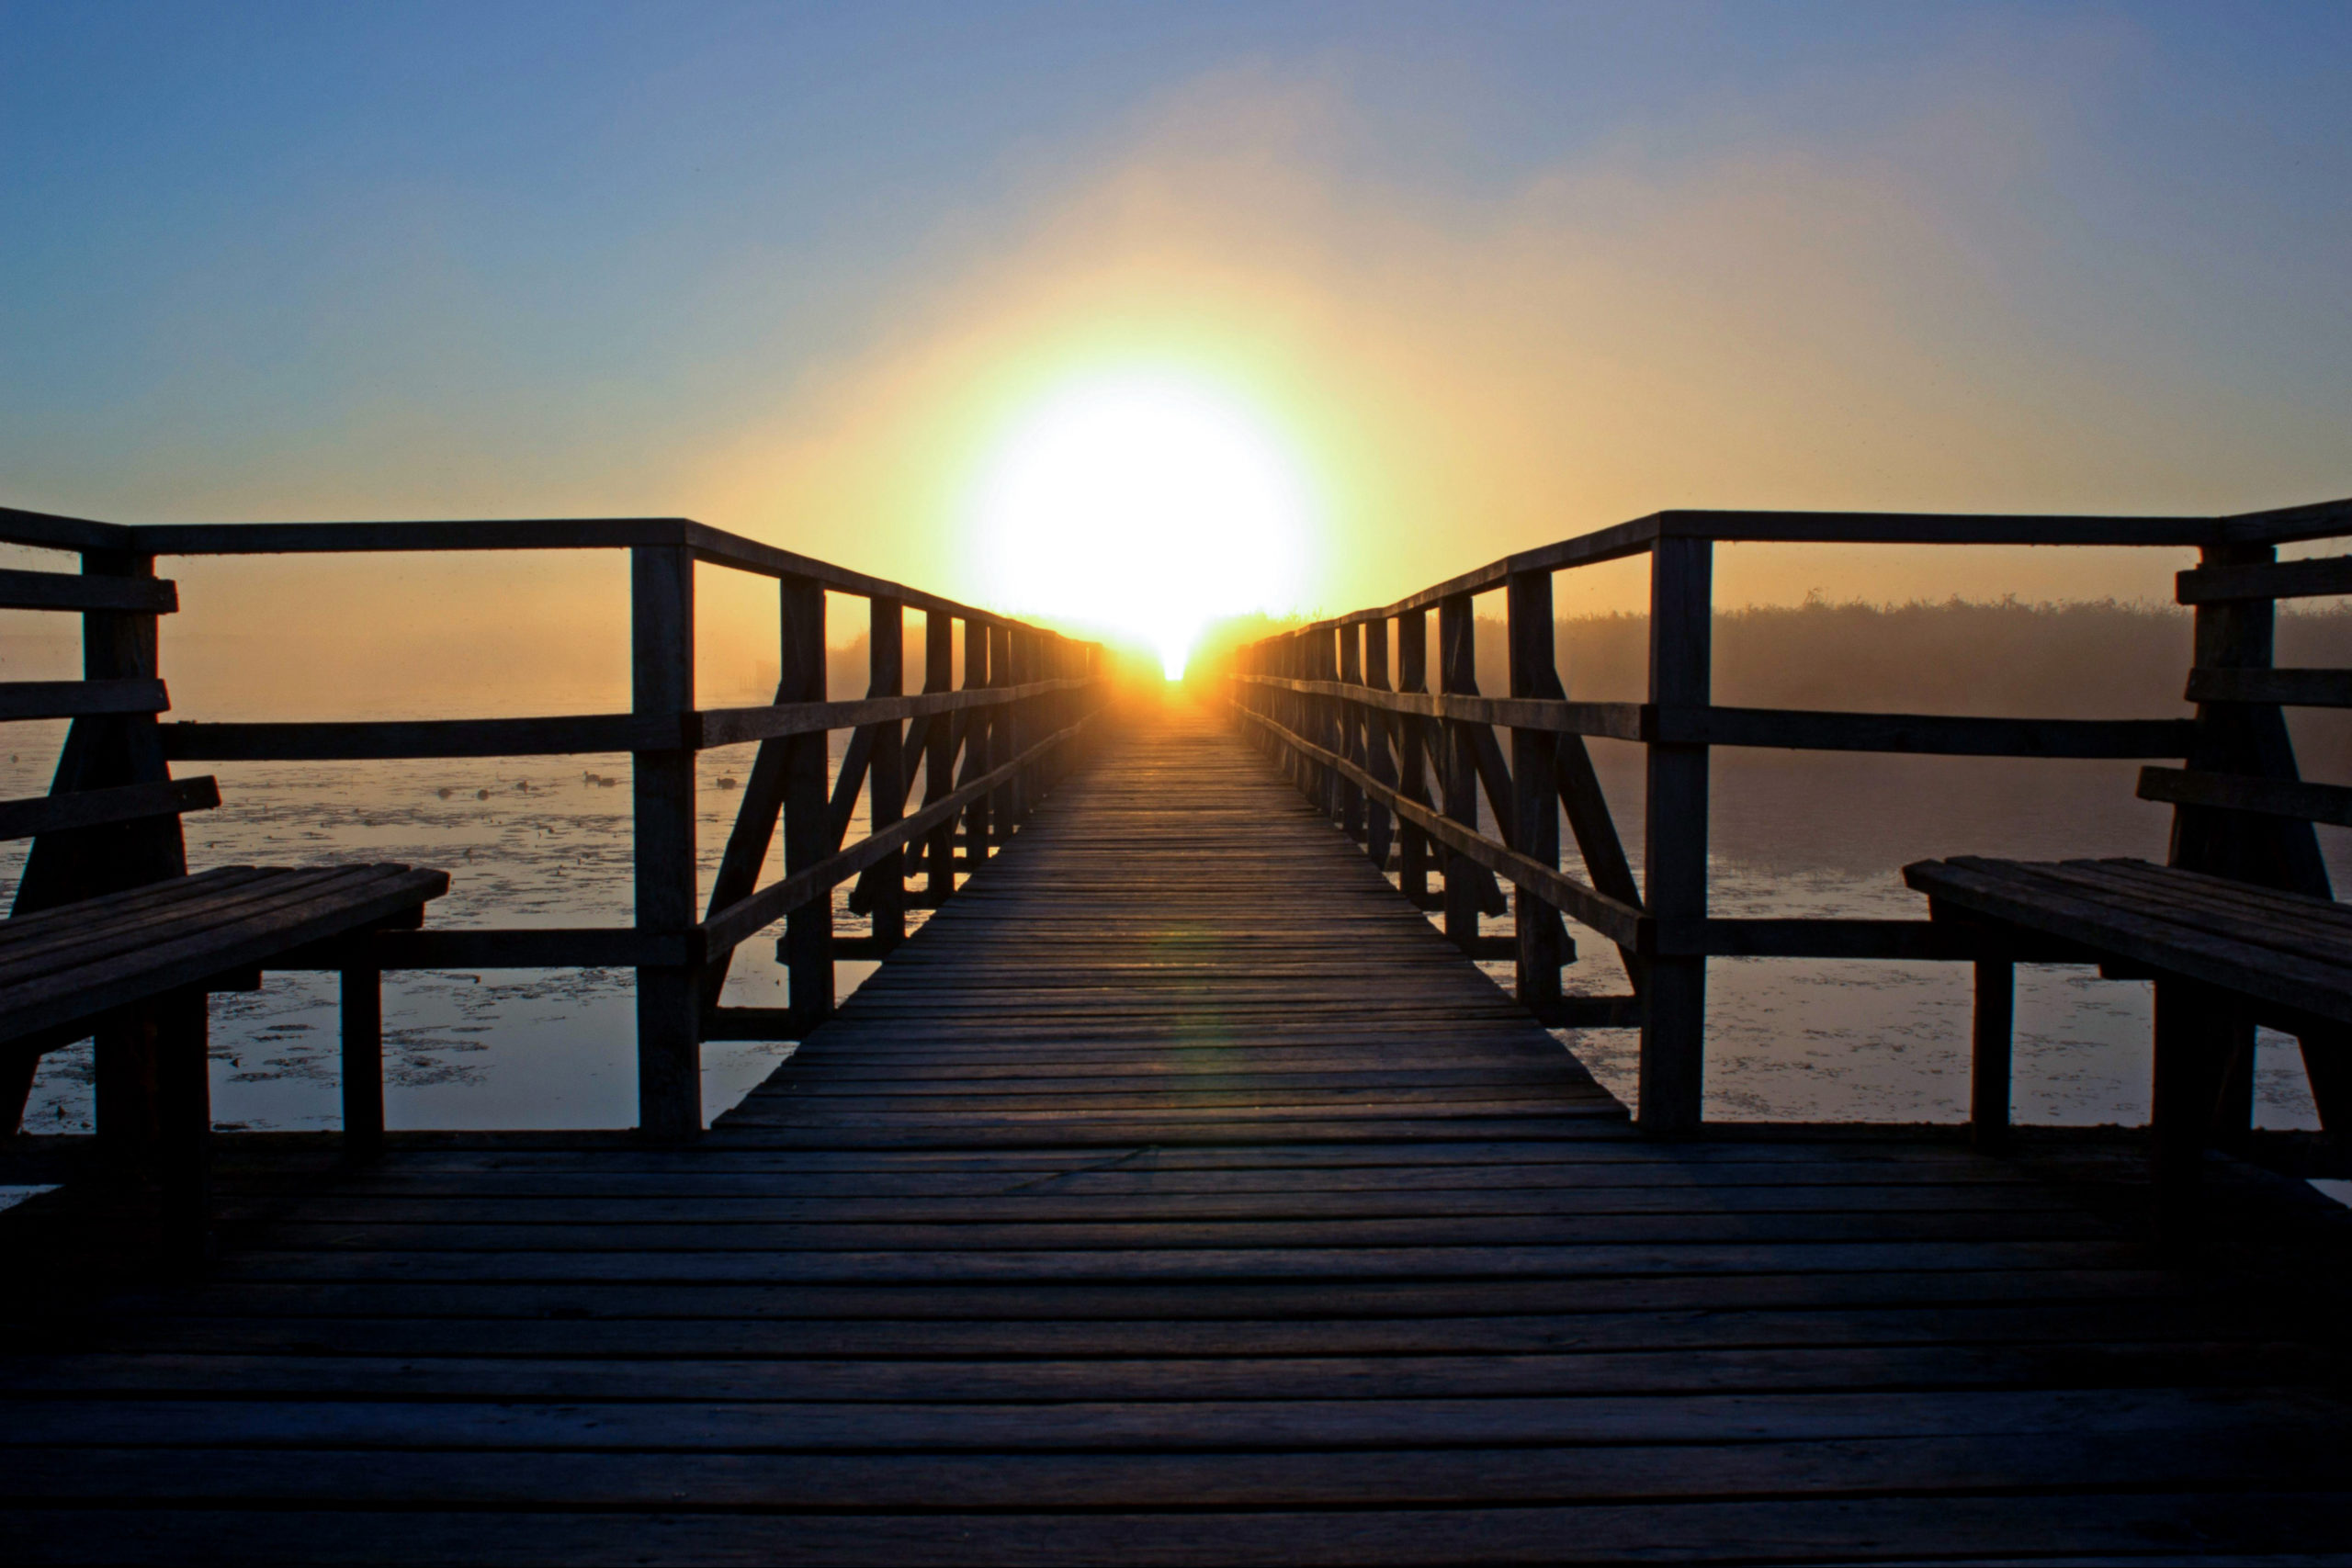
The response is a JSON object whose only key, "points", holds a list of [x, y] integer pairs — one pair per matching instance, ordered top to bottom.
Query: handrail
{"points": [[2322, 520], [1026, 701], [1800, 729], [572, 735], [1408, 768], [726, 928]]}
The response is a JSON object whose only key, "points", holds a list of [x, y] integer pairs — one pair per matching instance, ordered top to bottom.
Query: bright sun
{"points": [[1143, 504]]}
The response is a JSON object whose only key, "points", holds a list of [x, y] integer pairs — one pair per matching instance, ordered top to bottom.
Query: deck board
{"points": [[1178, 1195]]}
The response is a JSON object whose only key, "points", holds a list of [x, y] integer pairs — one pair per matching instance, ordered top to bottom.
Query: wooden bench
{"points": [[2241, 927], [109, 936], [2224, 955], [65, 968]]}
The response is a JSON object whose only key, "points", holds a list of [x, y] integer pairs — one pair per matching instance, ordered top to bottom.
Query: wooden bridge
{"points": [[1180, 1192]]}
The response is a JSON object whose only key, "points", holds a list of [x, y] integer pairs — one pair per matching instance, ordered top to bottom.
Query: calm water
{"points": [[548, 844]]}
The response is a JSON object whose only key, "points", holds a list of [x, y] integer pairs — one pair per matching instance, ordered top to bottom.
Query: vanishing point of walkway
{"points": [[1177, 1195]]}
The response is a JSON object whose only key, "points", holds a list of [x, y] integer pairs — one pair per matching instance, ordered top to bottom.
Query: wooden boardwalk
{"points": [[1179, 1195]]}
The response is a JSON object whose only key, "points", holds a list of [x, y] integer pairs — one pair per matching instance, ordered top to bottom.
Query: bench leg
{"points": [[2194, 1035], [177, 1037], [363, 1063], [2327, 1063], [1988, 1066], [17, 1071], [127, 1091], [2234, 1100]]}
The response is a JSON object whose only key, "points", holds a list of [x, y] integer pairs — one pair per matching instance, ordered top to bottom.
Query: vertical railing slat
{"points": [[1458, 673], [977, 727], [1380, 728], [1412, 746], [939, 751], [886, 780], [1535, 790], [807, 812], [1004, 812], [1675, 836], [668, 996]]}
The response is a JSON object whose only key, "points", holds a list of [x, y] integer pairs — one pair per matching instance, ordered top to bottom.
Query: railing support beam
{"points": [[1458, 672], [1412, 754], [886, 781], [1535, 804], [808, 807], [1675, 836], [669, 999]]}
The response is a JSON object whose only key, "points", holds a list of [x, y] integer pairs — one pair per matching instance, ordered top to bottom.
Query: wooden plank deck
{"points": [[1179, 1195]]}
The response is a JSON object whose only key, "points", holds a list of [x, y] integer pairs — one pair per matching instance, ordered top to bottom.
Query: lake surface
{"points": [[545, 842]]}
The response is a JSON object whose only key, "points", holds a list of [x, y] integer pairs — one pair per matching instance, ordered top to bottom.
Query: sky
{"points": [[1475, 277]]}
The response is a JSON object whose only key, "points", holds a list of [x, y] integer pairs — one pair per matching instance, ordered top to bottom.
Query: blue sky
{"points": [[417, 259]]}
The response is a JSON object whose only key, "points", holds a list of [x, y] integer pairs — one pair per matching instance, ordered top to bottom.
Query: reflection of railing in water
{"points": [[986, 750], [1404, 763]]}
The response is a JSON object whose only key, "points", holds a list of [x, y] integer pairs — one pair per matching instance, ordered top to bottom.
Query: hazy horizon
{"points": [[812, 274]]}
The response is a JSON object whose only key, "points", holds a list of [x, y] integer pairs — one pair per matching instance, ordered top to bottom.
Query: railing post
{"points": [[1281, 655], [1458, 673], [1351, 717], [1024, 720], [978, 722], [1332, 725], [1380, 728], [2243, 738], [1005, 740], [939, 750], [1412, 761], [885, 770], [1314, 779], [1534, 787], [808, 826], [1675, 835], [2275, 851], [669, 996], [135, 1106]]}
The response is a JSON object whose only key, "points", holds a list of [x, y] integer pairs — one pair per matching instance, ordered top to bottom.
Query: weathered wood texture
{"points": [[2282, 949], [68, 964], [1177, 1194]]}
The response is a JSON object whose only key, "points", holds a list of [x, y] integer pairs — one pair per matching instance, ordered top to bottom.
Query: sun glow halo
{"points": [[1145, 504]]}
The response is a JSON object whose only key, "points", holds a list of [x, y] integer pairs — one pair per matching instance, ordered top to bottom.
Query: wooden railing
{"points": [[987, 750], [1403, 764]]}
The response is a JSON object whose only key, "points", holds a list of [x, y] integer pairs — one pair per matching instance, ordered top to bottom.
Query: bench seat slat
{"points": [[2167, 880], [2249, 902], [2198, 910], [2171, 924], [19, 928], [227, 931], [104, 940], [62, 944]]}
